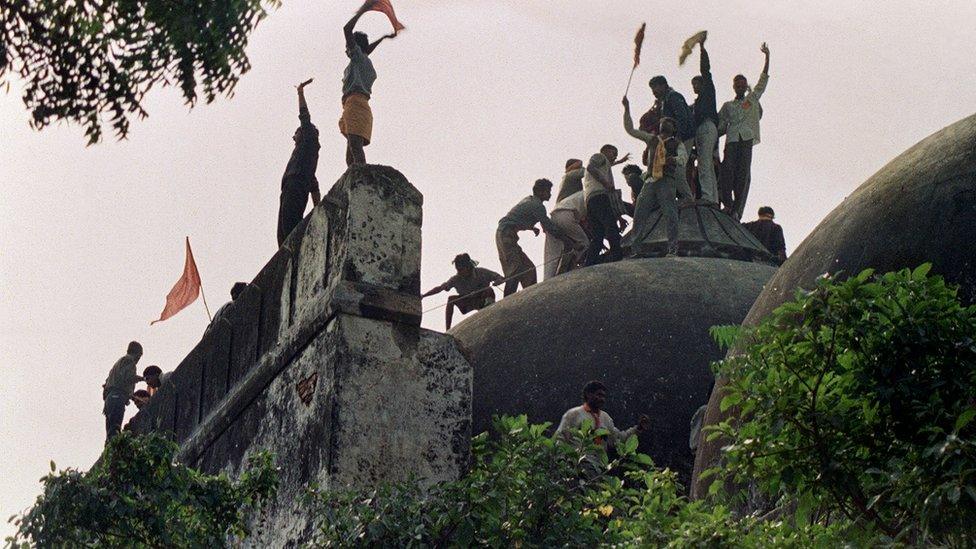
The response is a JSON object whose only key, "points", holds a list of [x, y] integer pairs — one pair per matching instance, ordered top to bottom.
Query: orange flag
{"points": [[385, 7], [638, 44], [185, 291]]}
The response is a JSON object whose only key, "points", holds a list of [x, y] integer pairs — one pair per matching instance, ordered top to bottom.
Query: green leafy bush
{"points": [[857, 400], [528, 490], [137, 495]]}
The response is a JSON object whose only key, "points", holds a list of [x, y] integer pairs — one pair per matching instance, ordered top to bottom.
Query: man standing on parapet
{"points": [[739, 121], [356, 123], [706, 127], [299, 180], [604, 221], [769, 233], [517, 266], [473, 284], [118, 389]]}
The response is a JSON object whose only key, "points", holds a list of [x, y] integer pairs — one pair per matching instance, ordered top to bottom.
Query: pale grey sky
{"points": [[473, 102]]}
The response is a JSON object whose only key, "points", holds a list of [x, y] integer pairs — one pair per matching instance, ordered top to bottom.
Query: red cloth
{"points": [[385, 7], [638, 44], [185, 291]]}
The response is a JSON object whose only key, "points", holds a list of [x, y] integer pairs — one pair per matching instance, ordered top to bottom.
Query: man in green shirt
{"points": [[119, 387]]}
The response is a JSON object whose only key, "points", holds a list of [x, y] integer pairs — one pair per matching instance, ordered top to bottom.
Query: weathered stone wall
{"points": [[322, 361]]}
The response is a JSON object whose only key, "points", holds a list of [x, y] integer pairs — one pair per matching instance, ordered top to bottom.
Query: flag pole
{"points": [[629, 80], [204, 296]]}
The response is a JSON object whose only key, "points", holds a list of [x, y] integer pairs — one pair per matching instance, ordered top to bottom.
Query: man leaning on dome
{"points": [[594, 397]]}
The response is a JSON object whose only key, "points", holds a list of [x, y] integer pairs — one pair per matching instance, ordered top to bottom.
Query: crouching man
{"points": [[473, 286]]}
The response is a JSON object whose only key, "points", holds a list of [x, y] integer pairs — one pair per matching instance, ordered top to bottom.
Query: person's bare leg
{"points": [[357, 152]]}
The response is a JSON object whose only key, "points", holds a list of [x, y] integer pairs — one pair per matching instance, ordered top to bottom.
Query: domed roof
{"points": [[920, 207], [703, 231], [639, 325]]}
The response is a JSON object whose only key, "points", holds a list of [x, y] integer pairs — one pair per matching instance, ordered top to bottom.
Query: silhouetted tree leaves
{"points": [[92, 61]]}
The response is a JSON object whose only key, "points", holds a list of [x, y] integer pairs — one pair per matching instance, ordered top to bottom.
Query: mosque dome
{"points": [[920, 207], [639, 325]]}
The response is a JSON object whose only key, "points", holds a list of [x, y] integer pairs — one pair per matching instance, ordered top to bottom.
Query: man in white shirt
{"points": [[739, 121], [597, 187], [563, 254], [594, 398]]}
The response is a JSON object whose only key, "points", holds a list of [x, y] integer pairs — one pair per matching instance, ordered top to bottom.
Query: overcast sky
{"points": [[473, 102]]}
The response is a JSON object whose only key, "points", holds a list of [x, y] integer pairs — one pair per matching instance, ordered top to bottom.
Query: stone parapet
{"points": [[322, 361]]}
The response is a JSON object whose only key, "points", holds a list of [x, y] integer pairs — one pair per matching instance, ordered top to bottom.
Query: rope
{"points": [[499, 283]]}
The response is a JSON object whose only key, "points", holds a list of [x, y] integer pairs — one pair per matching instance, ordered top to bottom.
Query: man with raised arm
{"points": [[739, 121], [356, 123], [706, 127], [666, 179], [299, 180], [473, 285]]}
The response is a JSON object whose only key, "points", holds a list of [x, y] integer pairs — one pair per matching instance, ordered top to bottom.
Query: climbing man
{"points": [[674, 106], [739, 121], [356, 123], [706, 127], [666, 179], [299, 180], [572, 180], [605, 223], [769, 233], [564, 254], [517, 266], [473, 285], [235, 292], [154, 378], [118, 389], [594, 398]]}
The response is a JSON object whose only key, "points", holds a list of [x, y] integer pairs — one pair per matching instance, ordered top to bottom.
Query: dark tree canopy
{"points": [[93, 61]]}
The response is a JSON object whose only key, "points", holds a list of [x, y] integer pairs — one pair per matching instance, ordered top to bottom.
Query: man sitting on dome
{"points": [[769, 233], [517, 266], [472, 284], [594, 397]]}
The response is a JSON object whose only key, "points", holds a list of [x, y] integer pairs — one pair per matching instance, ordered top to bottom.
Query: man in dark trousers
{"points": [[673, 105], [739, 121], [706, 128], [299, 180], [769, 233], [473, 285], [119, 387]]}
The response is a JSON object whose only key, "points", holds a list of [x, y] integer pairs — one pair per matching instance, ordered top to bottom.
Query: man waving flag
{"points": [[386, 8]]}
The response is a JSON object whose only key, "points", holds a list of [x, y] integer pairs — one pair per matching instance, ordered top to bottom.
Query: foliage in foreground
{"points": [[85, 59], [858, 400], [528, 490], [139, 496]]}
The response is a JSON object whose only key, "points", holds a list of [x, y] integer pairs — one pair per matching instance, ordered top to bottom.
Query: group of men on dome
{"points": [[682, 166]]}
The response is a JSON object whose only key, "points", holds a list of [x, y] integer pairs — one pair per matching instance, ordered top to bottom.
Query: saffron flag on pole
{"points": [[385, 7], [639, 43], [686, 48], [185, 291]]}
